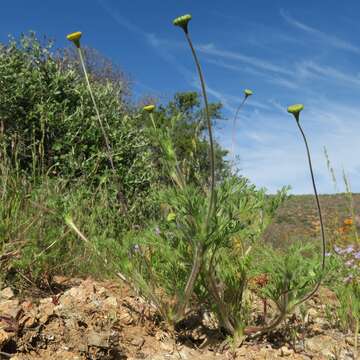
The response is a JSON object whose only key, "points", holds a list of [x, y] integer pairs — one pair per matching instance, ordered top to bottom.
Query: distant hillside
{"points": [[298, 220]]}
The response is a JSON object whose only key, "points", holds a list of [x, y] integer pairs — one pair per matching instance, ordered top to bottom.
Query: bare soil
{"points": [[87, 319]]}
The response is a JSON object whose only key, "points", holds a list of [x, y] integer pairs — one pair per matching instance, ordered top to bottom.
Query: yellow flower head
{"points": [[182, 21], [75, 38], [248, 92], [149, 108], [295, 110], [171, 217]]}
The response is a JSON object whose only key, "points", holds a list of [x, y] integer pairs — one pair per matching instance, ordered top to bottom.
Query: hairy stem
{"points": [[208, 120], [234, 128], [121, 195], [196, 267], [308, 296], [220, 304]]}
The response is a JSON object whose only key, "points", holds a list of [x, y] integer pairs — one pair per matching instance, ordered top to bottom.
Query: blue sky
{"points": [[286, 51]]}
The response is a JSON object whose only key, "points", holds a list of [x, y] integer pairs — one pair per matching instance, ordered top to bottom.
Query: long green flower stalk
{"points": [[183, 22], [75, 38], [247, 93], [295, 110]]}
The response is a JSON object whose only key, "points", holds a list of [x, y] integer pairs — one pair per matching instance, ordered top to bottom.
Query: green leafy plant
{"points": [[176, 260], [291, 274]]}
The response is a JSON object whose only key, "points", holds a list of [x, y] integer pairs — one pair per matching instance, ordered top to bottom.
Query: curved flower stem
{"points": [[208, 120], [233, 127], [107, 142], [196, 267], [211, 281], [308, 296], [221, 305]]}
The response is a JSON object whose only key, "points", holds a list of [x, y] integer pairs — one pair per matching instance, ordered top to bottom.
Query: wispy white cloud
{"points": [[330, 40], [255, 62], [311, 70], [296, 74], [269, 77], [272, 153]]}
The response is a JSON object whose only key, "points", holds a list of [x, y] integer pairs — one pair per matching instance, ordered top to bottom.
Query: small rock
{"points": [[60, 280], [102, 292], [6, 294], [78, 294], [110, 302], [10, 308], [45, 311], [312, 313], [30, 315], [126, 318], [317, 329], [100, 340], [138, 342], [321, 344], [284, 351]]}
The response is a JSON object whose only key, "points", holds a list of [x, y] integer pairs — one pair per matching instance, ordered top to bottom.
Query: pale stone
{"points": [[6, 294]]}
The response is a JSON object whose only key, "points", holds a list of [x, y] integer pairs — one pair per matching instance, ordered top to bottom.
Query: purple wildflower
{"points": [[349, 249], [338, 250], [327, 254], [357, 255]]}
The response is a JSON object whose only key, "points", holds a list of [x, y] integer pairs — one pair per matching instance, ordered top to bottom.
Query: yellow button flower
{"points": [[182, 21], [75, 38], [248, 92], [149, 108], [295, 109], [171, 217]]}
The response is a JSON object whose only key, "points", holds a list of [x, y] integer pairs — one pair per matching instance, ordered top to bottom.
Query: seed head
{"points": [[182, 21], [75, 38]]}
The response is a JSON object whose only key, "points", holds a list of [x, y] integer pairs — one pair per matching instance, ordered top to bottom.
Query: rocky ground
{"points": [[86, 319]]}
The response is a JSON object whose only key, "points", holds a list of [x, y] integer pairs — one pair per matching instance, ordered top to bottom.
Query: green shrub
{"points": [[49, 121]]}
